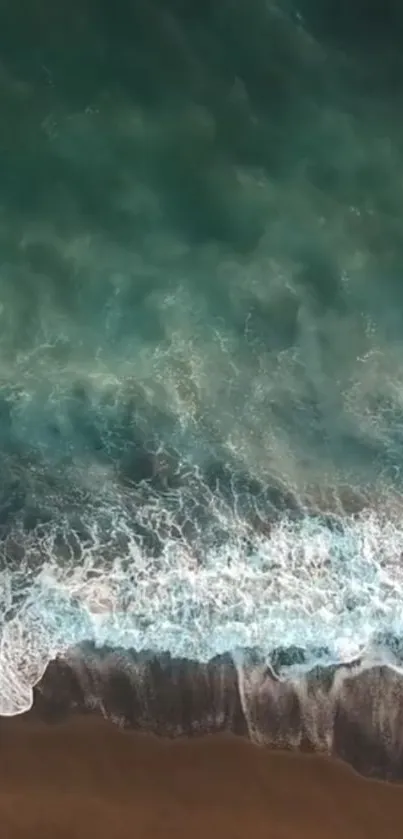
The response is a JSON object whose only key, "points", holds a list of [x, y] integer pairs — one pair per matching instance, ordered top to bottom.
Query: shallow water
{"points": [[201, 314]]}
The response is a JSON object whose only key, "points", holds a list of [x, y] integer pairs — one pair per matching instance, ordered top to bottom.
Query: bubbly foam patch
{"points": [[312, 583]]}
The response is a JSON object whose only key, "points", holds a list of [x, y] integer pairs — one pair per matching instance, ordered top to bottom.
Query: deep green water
{"points": [[201, 324]]}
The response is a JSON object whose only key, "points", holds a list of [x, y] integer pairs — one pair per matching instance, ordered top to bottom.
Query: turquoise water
{"points": [[201, 312]]}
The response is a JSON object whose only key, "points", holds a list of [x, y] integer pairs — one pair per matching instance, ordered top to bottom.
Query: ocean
{"points": [[201, 331]]}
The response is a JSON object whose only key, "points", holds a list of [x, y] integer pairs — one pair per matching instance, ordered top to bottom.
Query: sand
{"points": [[119, 744], [87, 777]]}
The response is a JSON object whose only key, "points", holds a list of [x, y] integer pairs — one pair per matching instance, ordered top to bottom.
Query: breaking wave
{"points": [[329, 585]]}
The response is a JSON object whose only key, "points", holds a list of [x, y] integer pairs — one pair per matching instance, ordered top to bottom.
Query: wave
{"points": [[327, 585]]}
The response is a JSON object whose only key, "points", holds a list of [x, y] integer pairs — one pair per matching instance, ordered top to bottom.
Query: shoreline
{"points": [[351, 712]]}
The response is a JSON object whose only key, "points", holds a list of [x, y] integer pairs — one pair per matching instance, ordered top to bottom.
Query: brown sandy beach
{"points": [[180, 761], [86, 777]]}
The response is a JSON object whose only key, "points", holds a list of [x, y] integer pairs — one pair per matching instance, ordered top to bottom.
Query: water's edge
{"points": [[353, 712]]}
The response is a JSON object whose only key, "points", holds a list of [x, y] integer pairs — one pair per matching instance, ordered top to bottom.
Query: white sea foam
{"points": [[307, 584]]}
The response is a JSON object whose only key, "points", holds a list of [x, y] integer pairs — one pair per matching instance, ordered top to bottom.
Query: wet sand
{"points": [[351, 711], [86, 777]]}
